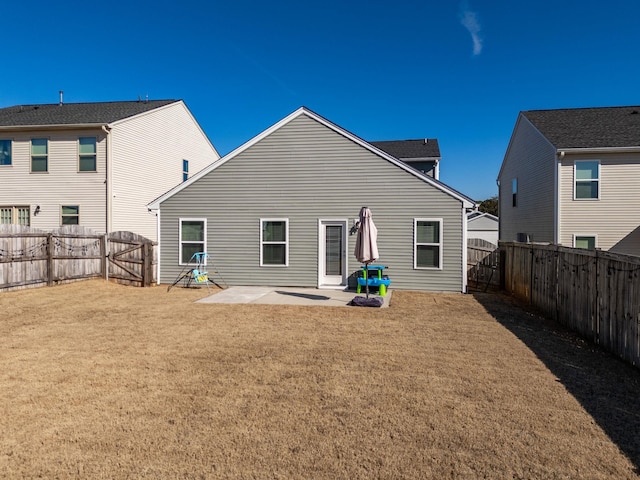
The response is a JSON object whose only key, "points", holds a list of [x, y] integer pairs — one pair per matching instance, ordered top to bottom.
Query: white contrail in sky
{"points": [[469, 20]]}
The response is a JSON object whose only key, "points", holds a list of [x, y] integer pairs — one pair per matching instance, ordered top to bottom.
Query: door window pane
{"points": [[333, 250]]}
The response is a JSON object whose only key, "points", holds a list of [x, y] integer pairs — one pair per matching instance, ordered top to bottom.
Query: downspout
{"points": [[108, 187], [108, 193], [556, 199], [464, 250], [158, 251]]}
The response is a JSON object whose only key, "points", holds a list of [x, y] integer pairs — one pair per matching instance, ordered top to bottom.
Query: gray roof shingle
{"points": [[75, 113], [599, 127], [407, 149]]}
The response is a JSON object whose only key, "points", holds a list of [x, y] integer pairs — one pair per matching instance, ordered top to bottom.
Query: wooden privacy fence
{"points": [[31, 257], [483, 263], [592, 292]]}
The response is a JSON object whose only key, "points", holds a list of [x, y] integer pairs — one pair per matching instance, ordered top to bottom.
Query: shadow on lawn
{"points": [[608, 388]]}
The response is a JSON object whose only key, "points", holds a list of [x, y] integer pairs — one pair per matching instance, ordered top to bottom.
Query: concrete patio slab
{"points": [[288, 296]]}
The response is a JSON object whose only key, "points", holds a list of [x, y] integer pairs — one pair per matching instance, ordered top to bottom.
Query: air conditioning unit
{"points": [[523, 237]]}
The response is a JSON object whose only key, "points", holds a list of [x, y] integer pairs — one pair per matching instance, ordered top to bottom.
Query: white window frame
{"points": [[10, 152], [95, 155], [32, 156], [576, 180], [14, 213], [62, 215], [590, 235], [286, 242], [439, 244], [182, 261]]}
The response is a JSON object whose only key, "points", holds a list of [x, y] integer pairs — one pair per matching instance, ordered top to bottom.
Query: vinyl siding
{"points": [[147, 153], [531, 159], [305, 171], [62, 185], [615, 217]]}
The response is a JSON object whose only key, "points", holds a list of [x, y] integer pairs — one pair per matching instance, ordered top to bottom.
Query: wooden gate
{"points": [[131, 259], [483, 263]]}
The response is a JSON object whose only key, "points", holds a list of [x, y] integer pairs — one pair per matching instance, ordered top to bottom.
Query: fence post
{"points": [[147, 256], [49, 259], [105, 259]]}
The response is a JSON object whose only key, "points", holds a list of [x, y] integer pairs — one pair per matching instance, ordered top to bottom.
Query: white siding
{"points": [[147, 153], [531, 159], [304, 172], [62, 185], [615, 217]]}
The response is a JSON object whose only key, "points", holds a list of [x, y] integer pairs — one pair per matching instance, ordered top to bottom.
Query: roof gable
{"points": [[100, 113], [604, 127], [467, 202]]}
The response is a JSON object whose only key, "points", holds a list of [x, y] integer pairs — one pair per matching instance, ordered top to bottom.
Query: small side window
{"points": [[70, 215]]}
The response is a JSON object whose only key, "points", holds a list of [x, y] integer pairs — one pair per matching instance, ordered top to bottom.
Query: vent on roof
{"points": [[634, 112]]}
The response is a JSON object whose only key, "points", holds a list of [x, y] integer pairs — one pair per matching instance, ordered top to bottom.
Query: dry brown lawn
{"points": [[99, 380]]}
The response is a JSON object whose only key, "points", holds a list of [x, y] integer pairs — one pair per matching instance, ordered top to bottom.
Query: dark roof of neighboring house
{"points": [[75, 113], [589, 127], [407, 149]]}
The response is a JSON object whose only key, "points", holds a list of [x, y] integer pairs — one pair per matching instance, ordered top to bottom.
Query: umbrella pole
{"points": [[366, 278]]}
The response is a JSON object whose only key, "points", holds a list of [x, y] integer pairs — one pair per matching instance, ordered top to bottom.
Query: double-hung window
{"points": [[5, 153], [87, 154], [39, 155], [587, 180], [514, 192], [15, 215], [70, 215], [193, 238], [274, 242], [427, 244]]}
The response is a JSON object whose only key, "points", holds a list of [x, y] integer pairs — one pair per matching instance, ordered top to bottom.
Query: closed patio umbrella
{"points": [[366, 250]]}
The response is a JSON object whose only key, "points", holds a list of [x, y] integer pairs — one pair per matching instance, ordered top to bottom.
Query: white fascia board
{"points": [[596, 150]]}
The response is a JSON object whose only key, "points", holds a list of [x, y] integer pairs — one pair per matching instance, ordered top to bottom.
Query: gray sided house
{"points": [[571, 176], [280, 211]]}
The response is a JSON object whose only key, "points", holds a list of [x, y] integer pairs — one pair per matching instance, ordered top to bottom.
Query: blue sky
{"points": [[456, 71]]}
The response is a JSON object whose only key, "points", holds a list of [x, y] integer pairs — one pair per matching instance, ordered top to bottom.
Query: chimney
{"points": [[61, 97]]}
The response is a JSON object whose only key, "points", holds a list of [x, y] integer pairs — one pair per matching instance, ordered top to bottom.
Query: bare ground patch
{"points": [[101, 380]]}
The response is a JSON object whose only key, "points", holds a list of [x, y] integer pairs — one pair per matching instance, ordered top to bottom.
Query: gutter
{"points": [[16, 128], [561, 152]]}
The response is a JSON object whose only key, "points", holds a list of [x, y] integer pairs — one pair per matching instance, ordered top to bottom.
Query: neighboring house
{"points": [[423, 154], [96, 164], [571, 177], [281, 210], [483, 225]]}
